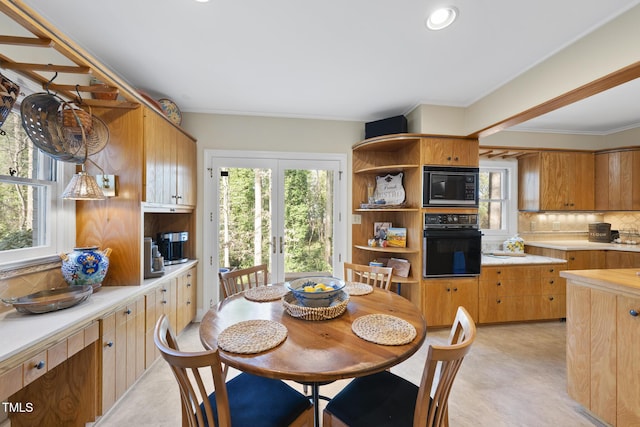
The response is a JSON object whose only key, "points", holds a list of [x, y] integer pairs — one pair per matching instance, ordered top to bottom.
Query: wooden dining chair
{"points": [[371, 275], [239, 280], [385, 399], [246, 400]]}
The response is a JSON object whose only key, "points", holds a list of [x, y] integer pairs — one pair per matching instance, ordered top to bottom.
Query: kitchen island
{"points": [[603, 332]]}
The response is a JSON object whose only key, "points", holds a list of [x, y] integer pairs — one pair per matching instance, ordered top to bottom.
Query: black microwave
{"points": [[450, 186]]}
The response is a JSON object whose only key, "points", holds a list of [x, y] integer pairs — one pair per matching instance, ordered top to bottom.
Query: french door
{"points": [[283, 212]]}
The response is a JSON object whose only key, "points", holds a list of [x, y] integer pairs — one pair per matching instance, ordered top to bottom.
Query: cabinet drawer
{"points": [[510, 287], [34, 368]]}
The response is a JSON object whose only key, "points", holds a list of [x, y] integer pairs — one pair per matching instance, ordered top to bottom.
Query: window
{"points": [[30, 184], [497, 198]]}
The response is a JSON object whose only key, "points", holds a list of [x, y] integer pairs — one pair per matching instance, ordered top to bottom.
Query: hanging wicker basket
{"points": [[8, 94], [74, 117], [43, 120]]}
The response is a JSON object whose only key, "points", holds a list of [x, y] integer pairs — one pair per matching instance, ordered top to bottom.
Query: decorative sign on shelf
{"points": [[389, 189]]}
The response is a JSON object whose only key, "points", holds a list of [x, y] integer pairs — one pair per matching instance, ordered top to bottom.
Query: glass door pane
{"points": [[309, 216], [245, 217]]}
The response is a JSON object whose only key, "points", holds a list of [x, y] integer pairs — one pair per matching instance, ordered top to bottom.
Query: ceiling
{"points": [[359, 60]]}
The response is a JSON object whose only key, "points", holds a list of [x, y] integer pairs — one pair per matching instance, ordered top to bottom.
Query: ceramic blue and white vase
{"points": [[85, 266]]}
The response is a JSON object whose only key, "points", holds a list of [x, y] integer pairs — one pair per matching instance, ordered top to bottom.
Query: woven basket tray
{"points": [[294, 309]]}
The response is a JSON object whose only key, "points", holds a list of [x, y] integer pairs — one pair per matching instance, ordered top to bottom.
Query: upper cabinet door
{"points": [[450, 152], [556, 181]]}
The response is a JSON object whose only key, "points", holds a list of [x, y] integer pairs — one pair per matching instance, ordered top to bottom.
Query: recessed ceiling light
{"points": [[202, 1], [442, 18]]}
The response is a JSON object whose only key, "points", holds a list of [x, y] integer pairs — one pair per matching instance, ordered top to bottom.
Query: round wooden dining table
{"points": [[315, 352]]}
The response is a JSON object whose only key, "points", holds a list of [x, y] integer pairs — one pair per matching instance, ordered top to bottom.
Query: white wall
{"points": [[254, 133]]}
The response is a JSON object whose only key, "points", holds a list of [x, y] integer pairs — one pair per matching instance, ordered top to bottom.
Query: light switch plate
{"points": [[356, 219]]}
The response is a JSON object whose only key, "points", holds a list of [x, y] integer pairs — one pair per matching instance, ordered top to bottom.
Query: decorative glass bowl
{"points": [[320, 296]]}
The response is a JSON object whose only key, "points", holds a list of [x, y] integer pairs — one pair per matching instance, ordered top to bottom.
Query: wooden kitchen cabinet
{"points": [[450, 152], [392, 154], [379, 157], [170, 163], [617, 180], [556, 181], [622, 259], [521, 293], [442, 297], [186, 299], [123, 343], [603, 362]]}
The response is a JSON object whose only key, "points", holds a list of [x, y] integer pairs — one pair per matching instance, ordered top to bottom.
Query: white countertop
{"points": [[583, 245], [493, 260], [19, 332]]}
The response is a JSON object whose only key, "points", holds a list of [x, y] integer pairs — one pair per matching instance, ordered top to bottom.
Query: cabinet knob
{"points": [[449, 158], [456, 158], [572, 258], [551, 270], [499, 272], [551, 282], [499, 284], [448, 289], [455, 289], [164, 290], [550, 298], [164, 301], [499, 301], [188, 302], [128, 311], [633, 312], [110, 344], [39, 365]]}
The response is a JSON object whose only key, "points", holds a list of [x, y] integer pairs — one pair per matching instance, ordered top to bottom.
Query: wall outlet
{"points": [[356, 219], [532, 226], [555, 226]]}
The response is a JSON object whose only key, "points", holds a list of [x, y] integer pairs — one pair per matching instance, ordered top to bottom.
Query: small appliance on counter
{"points": [[600, 232], [171, 246], [153, 261]]}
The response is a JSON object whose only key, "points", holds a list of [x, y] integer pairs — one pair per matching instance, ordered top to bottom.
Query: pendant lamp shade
{"points": [[83, 187]]}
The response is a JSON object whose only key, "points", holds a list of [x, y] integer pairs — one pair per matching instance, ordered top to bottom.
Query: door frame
{"points": [[210, 220]]}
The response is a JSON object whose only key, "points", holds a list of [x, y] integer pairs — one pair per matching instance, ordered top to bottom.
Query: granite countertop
{"points": [[583, 245], [496, 260], [19, 332]]}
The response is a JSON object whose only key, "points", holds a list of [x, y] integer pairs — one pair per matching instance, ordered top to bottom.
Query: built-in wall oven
{"points": [[452, 245]]}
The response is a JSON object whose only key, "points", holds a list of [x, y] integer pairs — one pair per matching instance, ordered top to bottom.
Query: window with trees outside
{"points": [[29, 189], [497, 198]]}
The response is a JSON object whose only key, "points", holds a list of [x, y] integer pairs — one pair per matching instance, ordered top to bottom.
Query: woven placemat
{"points": [[357, 288], [265, 293], [383, 329], [252, 336]]}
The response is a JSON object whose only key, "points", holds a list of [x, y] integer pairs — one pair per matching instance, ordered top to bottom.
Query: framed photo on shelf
{"points": [[380, 230], [397, 237]]}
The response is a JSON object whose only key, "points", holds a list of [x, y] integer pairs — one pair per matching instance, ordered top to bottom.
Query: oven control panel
{"points": [[450, 220]]}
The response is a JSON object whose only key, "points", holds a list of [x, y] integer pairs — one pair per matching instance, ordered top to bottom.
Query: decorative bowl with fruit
{"points": [[316, 291]]}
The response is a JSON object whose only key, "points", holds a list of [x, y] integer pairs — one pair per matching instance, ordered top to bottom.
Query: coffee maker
{"points": [[171, 246], [153, 261]]}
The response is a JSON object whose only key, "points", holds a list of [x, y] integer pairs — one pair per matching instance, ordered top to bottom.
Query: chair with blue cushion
{"points": [[387, 400], [245, 401]]}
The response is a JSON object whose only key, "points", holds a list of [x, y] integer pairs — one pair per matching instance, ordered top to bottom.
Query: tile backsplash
{"points": [[570, 225]]}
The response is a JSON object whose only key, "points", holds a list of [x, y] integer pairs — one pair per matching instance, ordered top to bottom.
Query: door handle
{"points": [[273, 244], [281, 245]]}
